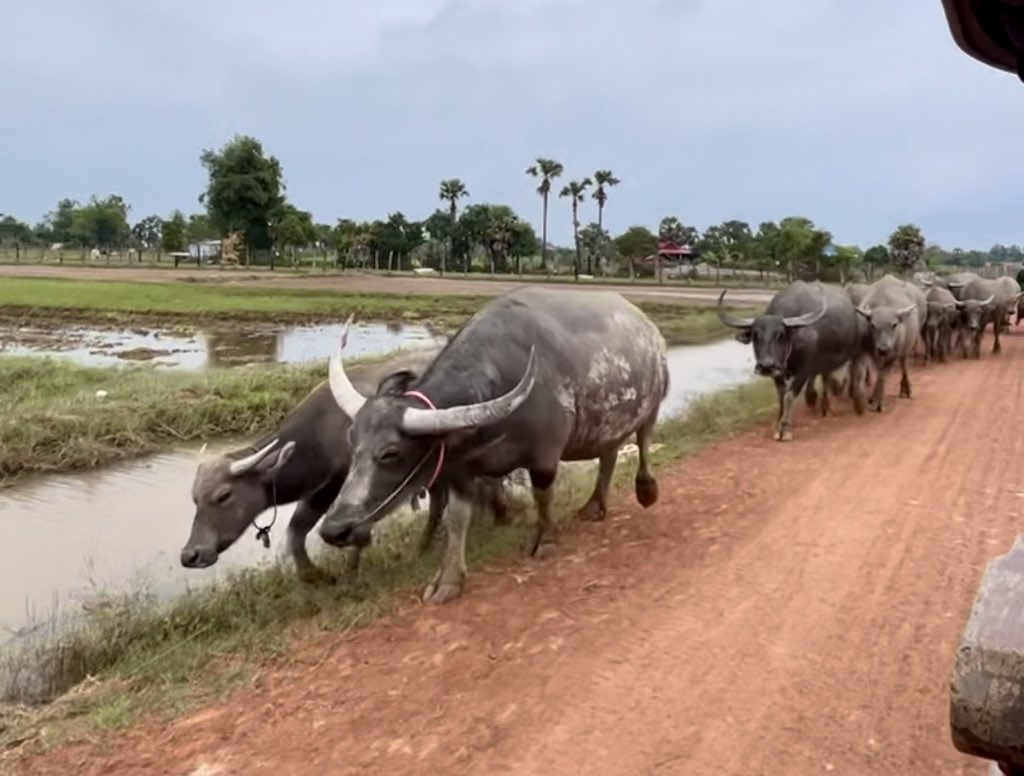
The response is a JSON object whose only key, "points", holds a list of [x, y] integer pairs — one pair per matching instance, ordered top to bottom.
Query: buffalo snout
{"points": [[346, 533], [197, 558]]}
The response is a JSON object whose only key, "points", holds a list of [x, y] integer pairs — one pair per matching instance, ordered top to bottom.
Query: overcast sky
{"points": [[857, 113]]}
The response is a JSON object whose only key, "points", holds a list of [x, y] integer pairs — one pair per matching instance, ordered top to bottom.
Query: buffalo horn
{"points": [[955, 284], [1018, 295], [987, 301], [906, 310], [807, 318], [731, 320], [345, 394], [416, 421], [242, 465]]}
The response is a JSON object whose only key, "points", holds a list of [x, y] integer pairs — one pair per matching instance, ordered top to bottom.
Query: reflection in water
{"points": [[237, 345], [126, 524]]}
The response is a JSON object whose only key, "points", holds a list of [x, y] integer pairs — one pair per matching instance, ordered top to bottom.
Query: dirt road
{"points": [[353, 282], [782, 610]]}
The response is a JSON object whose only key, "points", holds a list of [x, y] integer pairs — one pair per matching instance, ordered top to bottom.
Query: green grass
{"points": [[113, 301], [51, 419], [158, 662]]}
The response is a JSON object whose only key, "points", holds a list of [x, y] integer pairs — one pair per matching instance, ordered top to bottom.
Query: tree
{"points": [[547, 170], [603, 180], [244, 191], [451, 191], [575, 191], [61, 221], [101, 222], [200, 228], [671, 228], [293, 229], [14, 231], [147, 231], [500, 232], [172, 233], [730, 241], [635, 243], [598, 244], [906, 247], [766, 248], [874, 257], [845, 259]]}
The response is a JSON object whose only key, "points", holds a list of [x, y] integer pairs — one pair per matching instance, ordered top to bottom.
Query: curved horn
{"points": [[955, 284], [1018, 295], [987, 301], [959, 304], [949, 305], [906, 310], [807, 318], [731, 320], [345, 394], [417, 421], [202, 451], [242, 465]]}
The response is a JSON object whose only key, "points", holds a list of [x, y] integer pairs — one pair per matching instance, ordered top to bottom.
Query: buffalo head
{"points": [[974, 312], [885, 325], [772, 335], [398, 444], [229, 495]]}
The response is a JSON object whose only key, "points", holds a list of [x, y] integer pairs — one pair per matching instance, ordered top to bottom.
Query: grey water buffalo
{"points": [[995, 299], [895, 309], [943, 320], [808, 329], [536, 377], [305, 460]]}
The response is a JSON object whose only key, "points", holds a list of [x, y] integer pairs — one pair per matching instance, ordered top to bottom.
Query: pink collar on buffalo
{"points": [[440, 458]]}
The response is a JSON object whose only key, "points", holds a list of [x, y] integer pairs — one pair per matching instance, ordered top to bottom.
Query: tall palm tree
{"points": [[547, 170], [603, 180], [451, 191], [576, 192]]}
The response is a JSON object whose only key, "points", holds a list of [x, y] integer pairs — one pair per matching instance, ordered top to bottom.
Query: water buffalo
{"points": [[995, 299], [895, 309], [943, 320], [808, 329], [536, 377], [305, 460]]}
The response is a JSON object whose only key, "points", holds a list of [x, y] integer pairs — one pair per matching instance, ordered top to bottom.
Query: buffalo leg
{"points": [[997, 324], [904, 379], [857, 384], [793, 387], [780, 390], [811, 393], [878, 394], [645, 486], [543, 492], [494, 496], [438, 502], [597, 505], [303, 519], [450, 576]]}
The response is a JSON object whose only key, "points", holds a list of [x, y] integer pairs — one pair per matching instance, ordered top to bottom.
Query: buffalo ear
{"points": [[744, 336], [396, 383]]}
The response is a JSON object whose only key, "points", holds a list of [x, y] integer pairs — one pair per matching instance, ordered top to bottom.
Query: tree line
{"points": [[245, 198]]}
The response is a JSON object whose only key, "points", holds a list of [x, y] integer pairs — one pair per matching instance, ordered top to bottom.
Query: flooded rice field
{"points": [[236, 344], [69, 537]]}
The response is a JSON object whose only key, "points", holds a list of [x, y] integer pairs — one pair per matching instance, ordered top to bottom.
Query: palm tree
{"points": [[547, 170], [604, 180], [575, 190], [451, 191]]}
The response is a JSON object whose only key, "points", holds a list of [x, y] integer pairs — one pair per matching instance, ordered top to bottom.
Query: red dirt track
{"points": [[783, 609]]}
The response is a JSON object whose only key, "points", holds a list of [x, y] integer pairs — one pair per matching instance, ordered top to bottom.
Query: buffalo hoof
{"points": [[858, 405], [783, 435], [646, 489], [592, 512], [313, 575], [441, 592]]}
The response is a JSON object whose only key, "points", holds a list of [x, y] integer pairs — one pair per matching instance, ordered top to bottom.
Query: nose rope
{"points": [[440, 456], [433, 478]]}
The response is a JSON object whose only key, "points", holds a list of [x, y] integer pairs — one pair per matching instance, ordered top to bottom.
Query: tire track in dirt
{"points": [[782, 610]]}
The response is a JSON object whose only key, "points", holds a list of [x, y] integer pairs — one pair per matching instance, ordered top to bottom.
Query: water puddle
{"points": [[238, 345], [67, 537]]}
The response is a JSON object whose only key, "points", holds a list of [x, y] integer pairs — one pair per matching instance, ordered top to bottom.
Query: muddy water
{"points": [[237, 345], [68, 537]]}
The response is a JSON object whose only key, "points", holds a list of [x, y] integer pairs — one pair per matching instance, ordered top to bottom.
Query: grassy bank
{"points": [[114, 302], [159, 662]]}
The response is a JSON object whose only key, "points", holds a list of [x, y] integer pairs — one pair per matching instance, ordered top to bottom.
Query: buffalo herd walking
{"points": [[540, 376]]}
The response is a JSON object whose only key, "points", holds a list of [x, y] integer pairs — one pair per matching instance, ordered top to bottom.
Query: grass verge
{"points": [[115, 302], [140, 660]]}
